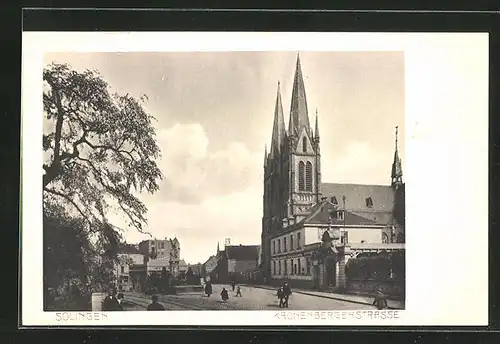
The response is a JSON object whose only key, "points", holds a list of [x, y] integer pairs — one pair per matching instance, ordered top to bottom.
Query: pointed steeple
{"points": [[299, 117], [316, 129], [279, 130], [265, 155], [397, 170], [218, 249]]}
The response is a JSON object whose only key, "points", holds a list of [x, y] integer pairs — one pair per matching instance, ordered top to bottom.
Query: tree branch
{"points": [[66, 197]]}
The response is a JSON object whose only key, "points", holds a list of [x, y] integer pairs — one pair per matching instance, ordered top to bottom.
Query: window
{"points": [[304, 145], [309, 172], [301, 176], [333, 200], [369, 202], [340, 215], [298, 240], [291, 242], [162, 244], [284, 245], [279, 246], [274, 247], [285, 266], [308, 266], [274, 267], [279, 267], [122, 269], [293, 269], [300, 270]]}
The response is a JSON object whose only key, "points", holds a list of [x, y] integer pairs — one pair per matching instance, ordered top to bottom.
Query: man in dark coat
{"points": [[287, 291], [110, 302], [155, 305]]}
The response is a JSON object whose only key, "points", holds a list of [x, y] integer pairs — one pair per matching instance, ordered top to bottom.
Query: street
{"points": [[253, 299]]}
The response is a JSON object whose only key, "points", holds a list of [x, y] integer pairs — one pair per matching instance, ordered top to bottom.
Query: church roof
{"points": [[361, 198], [321, 213]]}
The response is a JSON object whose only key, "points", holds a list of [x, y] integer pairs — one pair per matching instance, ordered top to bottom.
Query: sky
{"points": [[214, 114]]}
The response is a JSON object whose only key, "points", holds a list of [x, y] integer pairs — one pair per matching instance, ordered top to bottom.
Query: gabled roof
{"points": [[356, 194], [322, 212], [242, 252]]}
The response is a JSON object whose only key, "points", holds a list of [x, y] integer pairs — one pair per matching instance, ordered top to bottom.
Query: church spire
{"points": [[299, 118], [316, 129], [279, 130], [265, 155], [397, 171], [218, 249]]}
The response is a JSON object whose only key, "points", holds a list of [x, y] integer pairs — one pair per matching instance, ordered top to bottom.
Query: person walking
{"points": [[233, 285], [208, 289], [238, 292], [287, 292], [224, 295], [280, 296], [380, 300], [155, 305]]}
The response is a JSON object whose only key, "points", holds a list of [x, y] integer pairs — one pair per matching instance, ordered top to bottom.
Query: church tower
{"points": [[303, 152], [292, 169]]}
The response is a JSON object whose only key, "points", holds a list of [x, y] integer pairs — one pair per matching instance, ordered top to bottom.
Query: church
{"points": [[299, 208]]}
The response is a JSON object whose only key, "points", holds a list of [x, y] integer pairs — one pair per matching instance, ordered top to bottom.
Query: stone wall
{"points": [[394, 289]]}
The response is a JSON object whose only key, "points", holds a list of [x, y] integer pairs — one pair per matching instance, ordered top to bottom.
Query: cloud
{"points": [[193, 174], [199, 226]]}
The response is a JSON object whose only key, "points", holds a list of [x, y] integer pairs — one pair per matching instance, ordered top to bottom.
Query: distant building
{"points": [[167, 250], [128, 256], [236, 262], [209, 267], [197, 269]]}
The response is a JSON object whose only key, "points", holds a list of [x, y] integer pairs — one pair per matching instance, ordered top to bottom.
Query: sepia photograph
{"points": [[140, 146], [268, 183]]}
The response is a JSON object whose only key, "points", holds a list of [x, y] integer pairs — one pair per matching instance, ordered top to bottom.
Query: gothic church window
{"points": [[304, 145], [301, 176], [308, 176], [369, 202]]}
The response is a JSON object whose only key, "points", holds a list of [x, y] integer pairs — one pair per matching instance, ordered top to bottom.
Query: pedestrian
{"points": [[233, 284], [208, 289], [238, 292], [287, 292], [224, 295], [280, 296], [120, 297], [380, 300], [110, 302], [155, 305]]}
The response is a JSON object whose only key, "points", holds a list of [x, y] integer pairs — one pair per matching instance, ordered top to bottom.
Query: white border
{"points": [[446, 169]]}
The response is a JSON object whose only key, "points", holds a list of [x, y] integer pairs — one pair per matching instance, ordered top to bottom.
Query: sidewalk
{"points": [[364, 300]]}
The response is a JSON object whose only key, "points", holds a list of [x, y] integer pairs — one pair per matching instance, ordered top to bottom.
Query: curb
{"points": [[323, 296]]}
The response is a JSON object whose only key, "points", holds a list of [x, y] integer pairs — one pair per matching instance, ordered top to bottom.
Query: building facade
{"points": [[298, 207], [168, 250], [128, 257], [236, 263]]}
